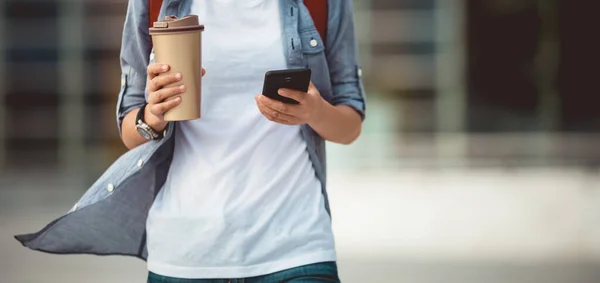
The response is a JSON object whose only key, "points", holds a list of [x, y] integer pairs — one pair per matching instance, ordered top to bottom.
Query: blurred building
{"points": [[521, 65], [441, 68], [60, 73]]}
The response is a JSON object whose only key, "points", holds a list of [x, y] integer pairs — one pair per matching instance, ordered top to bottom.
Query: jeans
{"points": [[325, 272]]}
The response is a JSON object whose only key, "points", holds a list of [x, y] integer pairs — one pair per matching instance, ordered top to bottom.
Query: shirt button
{"points": [[314, 43], [151, 56], [360, 72], [123, 82], [140, 163], [110, 188], [75, 206]]}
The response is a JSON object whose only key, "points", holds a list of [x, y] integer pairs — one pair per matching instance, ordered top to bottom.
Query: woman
{"points": [[238, 195]]}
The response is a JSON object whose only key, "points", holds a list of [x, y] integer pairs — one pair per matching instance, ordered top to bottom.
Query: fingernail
{"points": [[164, 67], [178, 76], [182, 87], [281, 91], [178, 99]]}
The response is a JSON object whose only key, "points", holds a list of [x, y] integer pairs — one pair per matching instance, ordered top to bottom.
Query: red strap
{"points": [[154, 9], [318, 10]]}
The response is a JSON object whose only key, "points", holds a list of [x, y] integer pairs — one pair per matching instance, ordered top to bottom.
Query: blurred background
{"points": [[479, 160]]}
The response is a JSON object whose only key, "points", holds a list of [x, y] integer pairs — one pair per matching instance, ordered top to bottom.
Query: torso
{"points": [[241, 198]]}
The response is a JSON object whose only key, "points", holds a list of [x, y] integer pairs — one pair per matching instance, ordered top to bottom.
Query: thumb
{"points": [[313, 89]]}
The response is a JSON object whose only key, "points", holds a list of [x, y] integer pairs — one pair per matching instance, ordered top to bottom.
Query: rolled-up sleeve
{"points": [[135, 53], [342, 57]]}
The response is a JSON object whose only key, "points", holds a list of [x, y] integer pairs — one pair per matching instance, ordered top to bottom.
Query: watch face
{"points": [[144, 133]]}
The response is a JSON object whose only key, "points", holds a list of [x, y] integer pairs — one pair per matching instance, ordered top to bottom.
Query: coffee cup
{"points": [[178, 43]]}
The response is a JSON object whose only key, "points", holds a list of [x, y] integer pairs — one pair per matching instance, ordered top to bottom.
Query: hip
{"points": [[320, 272]]}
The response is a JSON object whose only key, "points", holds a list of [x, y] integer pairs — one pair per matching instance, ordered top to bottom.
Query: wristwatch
{"points": [[144, 129]]}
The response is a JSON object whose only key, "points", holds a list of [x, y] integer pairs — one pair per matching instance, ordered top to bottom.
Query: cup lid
{"points": [[174, 24]]}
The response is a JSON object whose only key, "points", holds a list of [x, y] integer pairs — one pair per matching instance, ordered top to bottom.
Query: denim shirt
{"points": [[110, 218]]}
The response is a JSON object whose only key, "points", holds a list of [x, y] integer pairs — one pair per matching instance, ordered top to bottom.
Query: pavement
{"points": [[414, 225]]}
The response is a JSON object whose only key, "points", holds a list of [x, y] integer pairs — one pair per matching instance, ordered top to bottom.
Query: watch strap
{"points": [[139, 120]]}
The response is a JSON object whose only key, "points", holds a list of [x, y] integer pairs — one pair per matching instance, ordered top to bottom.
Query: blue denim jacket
{"points": [[110, 218]]}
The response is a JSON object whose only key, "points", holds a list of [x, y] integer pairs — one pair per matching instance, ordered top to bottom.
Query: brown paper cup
{"points": [[178, 43]]}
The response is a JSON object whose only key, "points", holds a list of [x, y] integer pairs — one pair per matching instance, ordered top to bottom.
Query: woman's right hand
{"points": [[159, 97]]}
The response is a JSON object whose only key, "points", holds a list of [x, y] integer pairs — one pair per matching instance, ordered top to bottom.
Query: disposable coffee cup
{"points": [[178, 43]]}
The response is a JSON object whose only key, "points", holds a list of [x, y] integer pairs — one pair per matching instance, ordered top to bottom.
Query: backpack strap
{"points": [[154, 10], [318, 10]]}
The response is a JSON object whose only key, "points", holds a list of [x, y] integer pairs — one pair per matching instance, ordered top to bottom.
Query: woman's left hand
{"points": [[308, 110]]}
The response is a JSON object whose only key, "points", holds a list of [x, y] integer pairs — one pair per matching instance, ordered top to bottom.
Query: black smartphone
{"points": [[296, 79]]}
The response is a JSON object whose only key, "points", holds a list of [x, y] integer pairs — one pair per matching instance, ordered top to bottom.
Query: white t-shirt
{"points": [[241, 198]]}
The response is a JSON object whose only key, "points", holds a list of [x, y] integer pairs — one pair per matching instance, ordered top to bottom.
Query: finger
{"points": [[156, 69], [203, 72], [164, 80], [312, 88], [165, 93], [297, 95], [161, 108], [290, 109], [274, 112], [272, 118], [278, 121]]}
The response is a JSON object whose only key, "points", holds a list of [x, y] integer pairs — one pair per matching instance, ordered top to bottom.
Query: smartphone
{"points": [[296, 79]]}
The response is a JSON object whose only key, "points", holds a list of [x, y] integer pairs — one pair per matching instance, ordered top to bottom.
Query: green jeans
{"points": [[325, 272]]}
